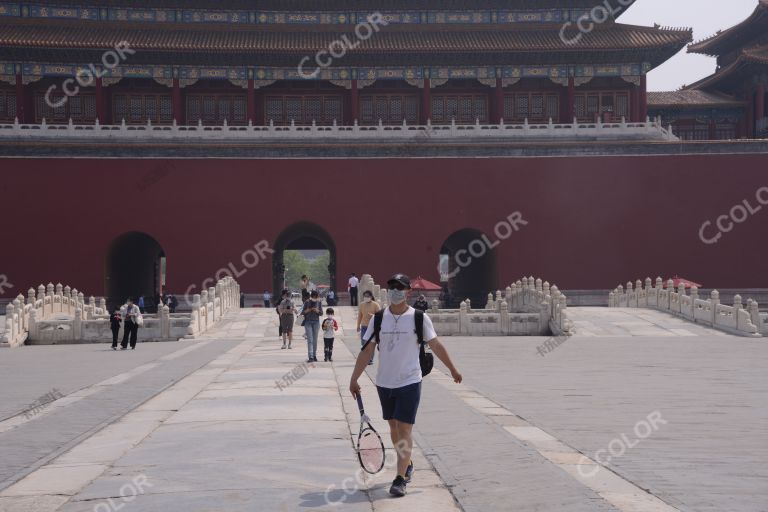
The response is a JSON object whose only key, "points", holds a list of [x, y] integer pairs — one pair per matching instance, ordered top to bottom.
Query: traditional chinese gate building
{"points": [[191, 145]]}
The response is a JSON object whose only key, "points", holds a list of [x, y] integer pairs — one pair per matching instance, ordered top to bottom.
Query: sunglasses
{"points": [[396, 286]]}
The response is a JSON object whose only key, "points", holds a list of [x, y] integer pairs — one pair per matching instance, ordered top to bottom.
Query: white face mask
{"points": [[396, 296], [367, 299]]}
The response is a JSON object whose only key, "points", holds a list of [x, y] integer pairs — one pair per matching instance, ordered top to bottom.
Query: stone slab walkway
{"points": [[594, 322], [525, 431]]}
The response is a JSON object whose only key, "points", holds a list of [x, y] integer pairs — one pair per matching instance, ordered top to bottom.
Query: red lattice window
{"points": [[608, 104], [8, 106], [537, 107], [138, 108], [463, 108], [59, 109], [214, 109], [390, 109], [303, 110], [691, 130]]}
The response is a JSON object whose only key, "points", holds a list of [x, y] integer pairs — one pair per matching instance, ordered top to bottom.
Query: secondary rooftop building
{"points": [[731, 103]]}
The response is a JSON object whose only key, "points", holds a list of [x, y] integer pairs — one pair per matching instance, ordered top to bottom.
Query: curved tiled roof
{"points": [[738, 34], [456, 40], [753, 55], [691, 98]]}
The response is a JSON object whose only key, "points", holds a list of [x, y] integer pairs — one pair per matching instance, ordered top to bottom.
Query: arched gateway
{"points": [[301, 236], [135, 266], [467, 267]]}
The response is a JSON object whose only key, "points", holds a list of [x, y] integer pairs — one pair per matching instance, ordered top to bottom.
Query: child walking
{"points": [[114, 324], [329, 327]]}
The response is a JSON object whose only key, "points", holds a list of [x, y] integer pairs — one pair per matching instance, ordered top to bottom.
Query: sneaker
{"points": [[289, 346], [283, 347], [114, 348], [123, 348], [310, 360], [409, 473], [398, 487]]}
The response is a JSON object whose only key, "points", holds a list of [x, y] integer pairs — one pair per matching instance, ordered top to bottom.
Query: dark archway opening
{"points": [[314, 243], [135, 266], [467, 268]]}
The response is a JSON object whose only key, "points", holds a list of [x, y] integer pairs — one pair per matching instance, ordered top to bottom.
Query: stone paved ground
{"points": [[201, 426]]}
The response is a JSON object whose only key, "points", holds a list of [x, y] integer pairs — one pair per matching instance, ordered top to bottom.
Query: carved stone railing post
{"points": [[715, 300], [737, 306], [504, 317], [165, 321], [77, 326], [464, 327]]}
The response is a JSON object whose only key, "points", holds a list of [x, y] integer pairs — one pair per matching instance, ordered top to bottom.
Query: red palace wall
{"points": [[593, 222]]}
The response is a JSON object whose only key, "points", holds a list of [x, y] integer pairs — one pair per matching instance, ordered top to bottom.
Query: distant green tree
{"points": [[296, 265], [318, 269]]}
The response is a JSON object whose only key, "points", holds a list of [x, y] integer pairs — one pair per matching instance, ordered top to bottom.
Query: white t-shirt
{"points": [[353, 282], [399, 348]]}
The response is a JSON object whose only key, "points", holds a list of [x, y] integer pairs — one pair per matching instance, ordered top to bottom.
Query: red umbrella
{"points": [[677, 281], [422, 284], [322, 286]]}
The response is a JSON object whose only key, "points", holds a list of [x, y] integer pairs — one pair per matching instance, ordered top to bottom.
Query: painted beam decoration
{"points": [[256, 17], [239, 75]]}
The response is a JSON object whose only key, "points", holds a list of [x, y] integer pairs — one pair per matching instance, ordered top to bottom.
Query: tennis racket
{"points": [[370, 448]]}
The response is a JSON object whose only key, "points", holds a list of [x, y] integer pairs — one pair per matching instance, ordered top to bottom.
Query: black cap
{"points": [[400, 278]]}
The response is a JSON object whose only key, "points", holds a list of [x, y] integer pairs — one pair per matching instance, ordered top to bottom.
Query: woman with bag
{"points": [[312, 311]]}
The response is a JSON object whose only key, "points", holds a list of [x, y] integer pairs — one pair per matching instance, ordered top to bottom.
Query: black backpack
{"points": [[426, 360]]}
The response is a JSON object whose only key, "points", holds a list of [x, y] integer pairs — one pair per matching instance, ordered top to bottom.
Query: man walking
{"points": [[352, 287], [267, 299], [130, 313], [398, 380]]}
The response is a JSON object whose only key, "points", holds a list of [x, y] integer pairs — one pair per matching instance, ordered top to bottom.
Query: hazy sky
{"points": [[705, 17]]}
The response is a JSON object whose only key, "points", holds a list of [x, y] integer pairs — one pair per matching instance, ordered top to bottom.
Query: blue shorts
{"points": [[400, 404]]}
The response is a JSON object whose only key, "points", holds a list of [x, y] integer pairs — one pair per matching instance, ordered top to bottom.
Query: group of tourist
{"points": [[167, 299], [311, 312], [131, 316]]}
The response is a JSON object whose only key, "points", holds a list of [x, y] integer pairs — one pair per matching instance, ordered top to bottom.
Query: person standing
{"points": [[304, 283], [352, 285], [331, 298], [267, 299], [242, 300], [174, 303], [141, 304], [421, 304], [277, 309], [286, 310], [312, 311], [130, 313], [365, 313], [114, 324], [330, 326], [398, 379]]}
